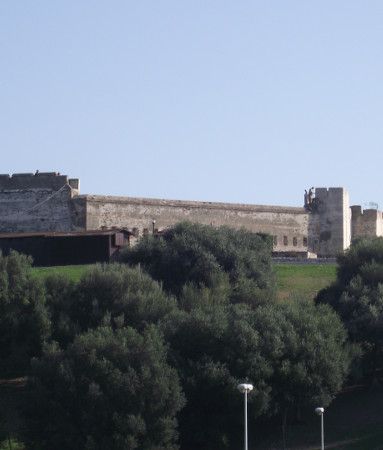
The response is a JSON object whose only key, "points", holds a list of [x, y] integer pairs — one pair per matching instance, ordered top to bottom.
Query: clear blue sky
{"points": [[241, 101]]}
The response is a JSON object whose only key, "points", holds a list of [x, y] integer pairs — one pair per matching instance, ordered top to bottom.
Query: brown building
{"points": [[58, 249]]}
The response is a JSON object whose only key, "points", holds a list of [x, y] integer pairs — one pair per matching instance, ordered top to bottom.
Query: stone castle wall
{"points": [[37, 202], [51, 202], [367, 223], [287, 225]]}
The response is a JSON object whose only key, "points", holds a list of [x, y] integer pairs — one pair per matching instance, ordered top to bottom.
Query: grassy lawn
{"points": [[73, 272], [293, 280], [300, 280]]}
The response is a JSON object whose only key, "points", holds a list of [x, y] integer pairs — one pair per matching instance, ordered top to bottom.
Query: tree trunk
{"points": [[284, 421]]}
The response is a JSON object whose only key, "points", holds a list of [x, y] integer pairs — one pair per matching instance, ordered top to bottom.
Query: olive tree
{"points": [[108, 390]]}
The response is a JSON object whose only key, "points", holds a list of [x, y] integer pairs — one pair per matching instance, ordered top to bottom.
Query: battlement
{"points": [[39, 180], [329, 191], [328, 194], [40, 201], [367, 213], [366, 223]]}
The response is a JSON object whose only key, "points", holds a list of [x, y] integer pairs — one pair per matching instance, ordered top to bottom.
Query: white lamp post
{"points": [[244, 389], [320, 412]]}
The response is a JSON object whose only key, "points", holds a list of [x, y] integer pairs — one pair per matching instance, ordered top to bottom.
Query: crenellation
{"points": [[47, 180], [74, 183], [35, 202], [366, 223]]}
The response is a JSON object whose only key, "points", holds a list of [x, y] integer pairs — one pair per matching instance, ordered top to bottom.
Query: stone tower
{"points": [[37, 202], [330, 222]]}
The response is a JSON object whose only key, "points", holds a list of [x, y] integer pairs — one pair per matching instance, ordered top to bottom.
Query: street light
{"points": [[244, 388], [320, 412]]}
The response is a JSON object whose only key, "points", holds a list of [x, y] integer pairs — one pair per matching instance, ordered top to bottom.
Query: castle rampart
{"points": [[44, 202], [287, 225]]}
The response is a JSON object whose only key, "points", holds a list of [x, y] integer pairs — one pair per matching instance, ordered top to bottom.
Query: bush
{"points": [[203, 256], [111, 294], [357, 296], [24, 320], [213, 350], [295, 355], [108, 390]]}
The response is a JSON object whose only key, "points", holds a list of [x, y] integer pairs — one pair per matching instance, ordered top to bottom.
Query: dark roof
{"points": [[65, 233]]}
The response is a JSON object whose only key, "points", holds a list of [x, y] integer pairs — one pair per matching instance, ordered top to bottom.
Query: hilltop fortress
{"points": [[50, 202]]}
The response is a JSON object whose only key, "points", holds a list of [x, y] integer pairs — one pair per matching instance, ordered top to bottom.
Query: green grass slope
{"points": [[72, 272], [292, 279], [301, 280]]}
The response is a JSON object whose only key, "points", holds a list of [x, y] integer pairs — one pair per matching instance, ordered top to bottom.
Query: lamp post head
{"points": [[245, 387], [319, 411]]}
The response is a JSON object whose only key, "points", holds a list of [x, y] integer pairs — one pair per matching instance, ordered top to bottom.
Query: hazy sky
{"points": [[240, 101]]}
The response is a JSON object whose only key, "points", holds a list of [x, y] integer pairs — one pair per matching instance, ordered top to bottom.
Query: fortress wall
{"points": [[51, 202], [33, 203], [330, 223], [367, 223], [288, 225], [379, 225], [347, 230]]}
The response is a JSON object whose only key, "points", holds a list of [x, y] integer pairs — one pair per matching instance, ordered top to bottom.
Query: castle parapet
{"points": [[39, 180], [36, 202], [366, 223]]}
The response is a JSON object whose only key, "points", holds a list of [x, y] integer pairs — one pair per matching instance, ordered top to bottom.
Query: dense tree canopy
{"points": [[206, 256], [111, 294], [357, 296], [24, 323], [136, 347], [214, 348], [309, 353], [295, 354], [108, 390]]}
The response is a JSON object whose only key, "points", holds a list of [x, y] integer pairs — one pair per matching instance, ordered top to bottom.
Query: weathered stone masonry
{"points": [[40, 202], [52, 202], [287, 225]]}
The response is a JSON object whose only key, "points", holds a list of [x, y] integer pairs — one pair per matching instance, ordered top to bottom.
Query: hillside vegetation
{"points": [[293, 280], [207, 308]]}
